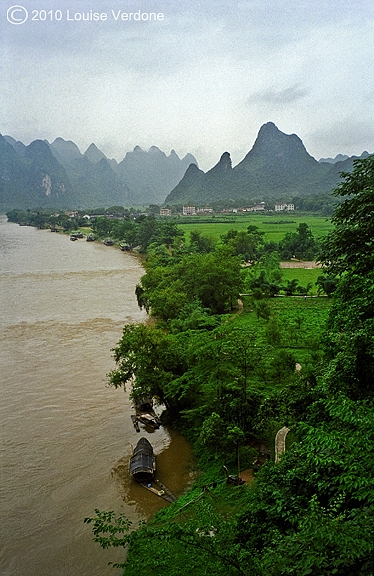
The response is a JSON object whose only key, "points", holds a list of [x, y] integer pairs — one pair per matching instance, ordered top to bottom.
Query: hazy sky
{"points": [[202, 78]]}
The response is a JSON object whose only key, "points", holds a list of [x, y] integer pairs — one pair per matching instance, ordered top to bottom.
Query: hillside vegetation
{"points": [[227, 376]]}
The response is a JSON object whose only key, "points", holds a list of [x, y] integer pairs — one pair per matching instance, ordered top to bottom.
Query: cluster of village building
{"points": [[189, 210]]}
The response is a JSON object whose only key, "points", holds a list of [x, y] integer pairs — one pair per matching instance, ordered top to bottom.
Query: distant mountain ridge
{"points": [[338, 158], [278, 167], [152, 173], [57, 174], [31, 176]]}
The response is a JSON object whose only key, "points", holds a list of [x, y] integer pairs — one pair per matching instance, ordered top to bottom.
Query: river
{"points": [[66, 436]]}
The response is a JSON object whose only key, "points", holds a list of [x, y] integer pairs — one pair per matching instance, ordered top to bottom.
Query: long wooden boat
{"points": [[143, 462]]}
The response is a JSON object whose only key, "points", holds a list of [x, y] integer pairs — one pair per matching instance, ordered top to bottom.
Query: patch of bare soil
{"points": [[300, 264], [247, 475]]}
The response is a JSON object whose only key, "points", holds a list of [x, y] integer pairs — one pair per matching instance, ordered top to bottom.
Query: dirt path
{"points": [[300, 264]]}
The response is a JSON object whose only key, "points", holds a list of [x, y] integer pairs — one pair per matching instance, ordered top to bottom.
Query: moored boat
{"points": [[76, 235], [145, 413], [143, 462], [143, 470]]}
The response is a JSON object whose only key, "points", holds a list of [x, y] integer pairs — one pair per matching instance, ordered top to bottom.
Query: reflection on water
{"points": [[66, 436]]}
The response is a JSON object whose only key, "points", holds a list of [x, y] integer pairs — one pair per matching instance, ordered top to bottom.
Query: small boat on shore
{"points": [[76, 235], [145, 413], [143, 462], [143, 470]]}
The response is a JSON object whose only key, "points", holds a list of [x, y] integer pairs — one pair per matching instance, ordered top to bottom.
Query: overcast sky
{"points": [[203, 78]]}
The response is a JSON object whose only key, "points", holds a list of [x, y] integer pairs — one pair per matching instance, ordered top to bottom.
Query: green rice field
{"points": [[275, 226], [300, 322]]}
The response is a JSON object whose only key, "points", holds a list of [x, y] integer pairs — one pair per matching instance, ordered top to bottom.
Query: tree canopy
{"points": [[350, 246], [312, 513]]}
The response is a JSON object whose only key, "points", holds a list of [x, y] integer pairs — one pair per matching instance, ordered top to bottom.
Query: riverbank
{"points": [[65, 433]]}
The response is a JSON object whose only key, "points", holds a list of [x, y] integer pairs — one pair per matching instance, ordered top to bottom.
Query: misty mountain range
{"points": [[277, 168], [58, 175]]}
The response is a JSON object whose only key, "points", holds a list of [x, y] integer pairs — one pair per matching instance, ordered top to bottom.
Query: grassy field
{"points": [[275, 226], [303, 275], [299, 323]]}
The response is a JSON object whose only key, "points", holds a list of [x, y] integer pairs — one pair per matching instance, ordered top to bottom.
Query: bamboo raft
{"points": [[164, 492]]}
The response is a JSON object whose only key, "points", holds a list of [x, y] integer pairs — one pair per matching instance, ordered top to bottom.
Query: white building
{"points": [[283, 206], [258, 207], [189, 210], [204, 210], [165, 212]]}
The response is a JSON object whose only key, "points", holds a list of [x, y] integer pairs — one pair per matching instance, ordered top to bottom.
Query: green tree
{"points": [[147, 232], [169, 233], [200, 243], [244, 243], [300, 244], [350, 246], [348, 253], [265, 275], [213, 279], [326, 283], [290, 287], [193, 316], [148, 359], [313, 512], [203, 544]]}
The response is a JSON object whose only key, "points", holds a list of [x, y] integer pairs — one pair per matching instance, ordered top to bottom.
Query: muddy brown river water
{"points": [[66, 436]]}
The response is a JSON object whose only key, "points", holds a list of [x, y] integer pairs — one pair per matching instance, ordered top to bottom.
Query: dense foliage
{"points": [[46, 219], [225, 381]]}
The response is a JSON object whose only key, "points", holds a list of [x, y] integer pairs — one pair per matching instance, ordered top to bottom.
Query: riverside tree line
{"points": [[227, 380]]}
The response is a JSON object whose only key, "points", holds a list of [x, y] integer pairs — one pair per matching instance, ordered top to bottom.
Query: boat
{"points": [[76, 235], [90, 238], [108, 242], [144, 403], [145, 413], [149, 419], [143, 462], [143, 470]]}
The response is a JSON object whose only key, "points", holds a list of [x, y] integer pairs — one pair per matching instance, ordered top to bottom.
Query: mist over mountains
{"points": [[278, 167], [57, 174]]}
